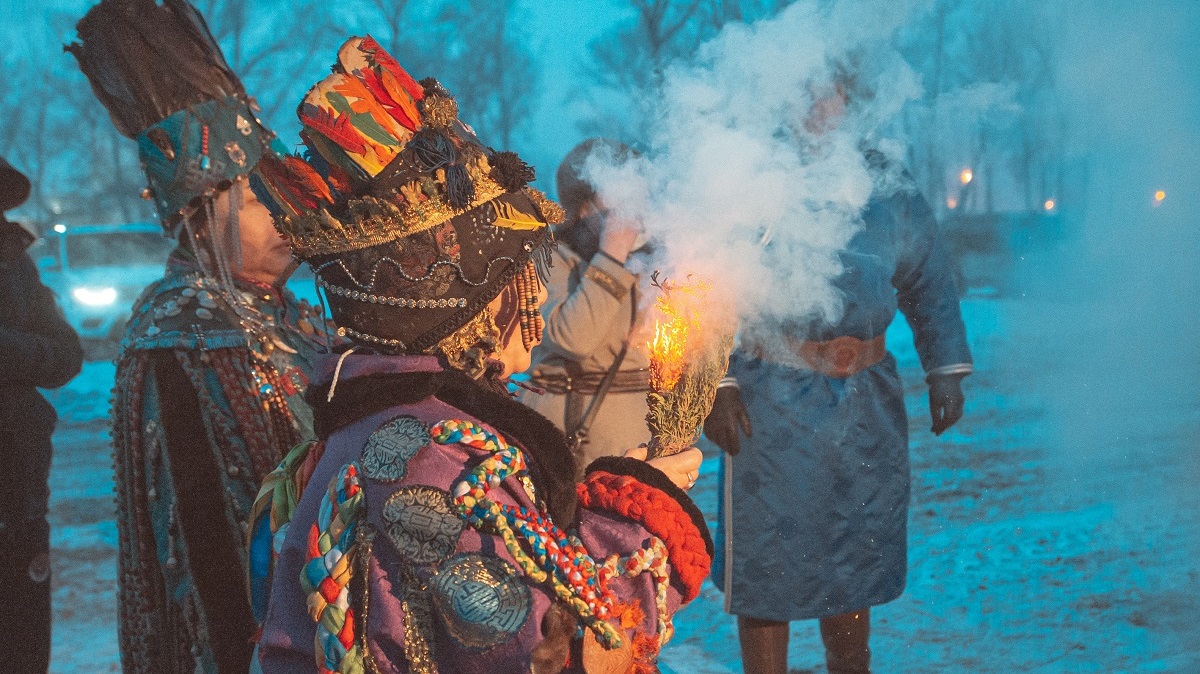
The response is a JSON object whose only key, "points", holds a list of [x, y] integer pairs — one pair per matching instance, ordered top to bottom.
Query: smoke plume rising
{"points": [[741, 186]]}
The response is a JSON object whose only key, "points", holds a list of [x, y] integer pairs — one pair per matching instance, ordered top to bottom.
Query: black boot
{"points": [[845, 637], [764, 645]]}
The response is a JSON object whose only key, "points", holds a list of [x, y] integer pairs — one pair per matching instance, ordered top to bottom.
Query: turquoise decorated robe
{"points": [[208, 399]]}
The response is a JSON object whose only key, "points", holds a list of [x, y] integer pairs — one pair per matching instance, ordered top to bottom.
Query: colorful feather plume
{"points": [[378, 57], [350, 95], [392, 97], [333, 126], [339, 181], [294, 183]]}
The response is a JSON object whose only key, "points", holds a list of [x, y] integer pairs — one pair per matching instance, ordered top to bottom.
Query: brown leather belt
{"points": [[840, 357], [624, 381]]}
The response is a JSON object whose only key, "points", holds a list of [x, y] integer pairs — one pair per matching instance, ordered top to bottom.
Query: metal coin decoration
{"points": [[236, 154], [206, 299], [391, 446], [421, 524], [482, 600]]}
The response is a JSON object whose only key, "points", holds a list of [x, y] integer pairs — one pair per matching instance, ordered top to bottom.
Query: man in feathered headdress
{"points": [[216, 356]]}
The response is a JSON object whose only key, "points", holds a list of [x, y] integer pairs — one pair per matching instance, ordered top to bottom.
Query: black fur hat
{"points": [[14, 186]]}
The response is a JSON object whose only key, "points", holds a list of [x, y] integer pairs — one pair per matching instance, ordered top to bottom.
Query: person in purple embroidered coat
{"points": [[435, 525]]}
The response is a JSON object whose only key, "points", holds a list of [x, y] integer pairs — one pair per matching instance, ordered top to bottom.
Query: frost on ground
{"points": [[83, 534], [1027, 553]]}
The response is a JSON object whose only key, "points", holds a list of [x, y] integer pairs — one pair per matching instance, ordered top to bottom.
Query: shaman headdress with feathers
{"points": [[161, 75], [165, 83], [411, 223]]}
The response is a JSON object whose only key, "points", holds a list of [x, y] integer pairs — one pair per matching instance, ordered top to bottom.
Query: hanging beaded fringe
{"points": [[532, 323]]}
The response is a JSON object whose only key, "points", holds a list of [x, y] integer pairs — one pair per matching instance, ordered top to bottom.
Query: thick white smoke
{"points": [[735, 188]]}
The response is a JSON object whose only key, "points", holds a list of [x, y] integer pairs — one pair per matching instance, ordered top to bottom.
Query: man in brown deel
{"points": [[595, 379]]}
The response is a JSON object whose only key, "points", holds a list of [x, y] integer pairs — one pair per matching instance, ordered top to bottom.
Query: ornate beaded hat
{"points": [[165, 83], [411, 224]]}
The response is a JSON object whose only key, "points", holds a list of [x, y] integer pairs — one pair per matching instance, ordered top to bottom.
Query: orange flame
{"points": [[679, 306], [666, 353]]}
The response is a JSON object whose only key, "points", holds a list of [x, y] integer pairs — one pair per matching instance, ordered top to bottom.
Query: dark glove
{"points": [[945, 401], [728, 413]]}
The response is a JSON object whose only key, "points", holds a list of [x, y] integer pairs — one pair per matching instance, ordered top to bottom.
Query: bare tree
{"points": [[721, 12], [392, 13], [414, 31], [272, 51], [629, 61], [493, 75], [60, 136], [1012, 141], [82, 170]]}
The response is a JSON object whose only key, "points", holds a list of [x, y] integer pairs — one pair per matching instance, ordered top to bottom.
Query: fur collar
{"points": [[551, 465]]}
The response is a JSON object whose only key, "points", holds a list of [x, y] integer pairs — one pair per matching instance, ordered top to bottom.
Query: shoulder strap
{"points": [[580, 434]]}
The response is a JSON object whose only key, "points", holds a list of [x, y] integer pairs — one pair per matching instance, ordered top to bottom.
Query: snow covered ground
{"points": [[1033, 547]]}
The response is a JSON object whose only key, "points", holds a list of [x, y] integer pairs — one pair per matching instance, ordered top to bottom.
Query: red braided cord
{"points": [[660, 514]]}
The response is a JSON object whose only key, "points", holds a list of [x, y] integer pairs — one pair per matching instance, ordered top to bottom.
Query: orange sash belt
{"points": [[840, 357]]}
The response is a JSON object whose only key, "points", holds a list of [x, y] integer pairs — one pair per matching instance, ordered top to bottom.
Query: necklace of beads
{"points": [[555, 556]]}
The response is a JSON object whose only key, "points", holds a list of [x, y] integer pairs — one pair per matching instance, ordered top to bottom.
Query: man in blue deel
{"points": [[814, 508]]}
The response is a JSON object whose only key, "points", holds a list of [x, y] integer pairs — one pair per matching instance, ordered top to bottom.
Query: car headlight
{"points": [[95, 297]]}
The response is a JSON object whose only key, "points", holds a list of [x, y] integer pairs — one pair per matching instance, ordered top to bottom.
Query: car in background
{"points": [[99, 271]]}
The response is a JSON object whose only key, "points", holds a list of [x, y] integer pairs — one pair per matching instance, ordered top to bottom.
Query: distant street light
{"points": [[966, 176], [1159, 196], [951, 203], [1049, 204], [60, 228]]}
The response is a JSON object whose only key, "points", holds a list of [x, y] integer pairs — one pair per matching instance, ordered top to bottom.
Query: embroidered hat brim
{"points": [[196, 152], [411, 223]]}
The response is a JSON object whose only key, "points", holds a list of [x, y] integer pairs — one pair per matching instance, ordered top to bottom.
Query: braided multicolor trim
{"points": [[272, 513], [660, 514], [556, 557], [654, 560], [327, 573]]}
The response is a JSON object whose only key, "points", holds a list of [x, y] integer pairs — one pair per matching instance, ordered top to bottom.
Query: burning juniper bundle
{"points": [[689, 355]]}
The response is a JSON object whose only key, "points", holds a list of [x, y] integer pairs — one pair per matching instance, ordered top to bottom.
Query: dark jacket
{"points": [[37, 350]]}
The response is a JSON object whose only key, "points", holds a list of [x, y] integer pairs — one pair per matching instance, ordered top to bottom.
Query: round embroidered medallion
{"points": [[391, 446], [422, 524], [482, 600]]}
